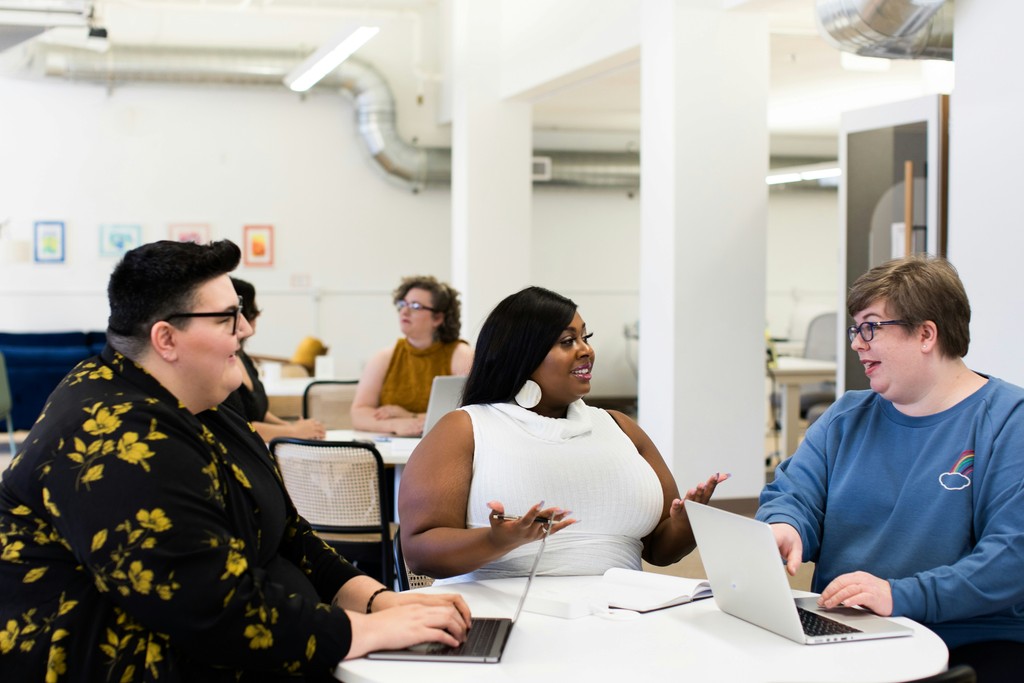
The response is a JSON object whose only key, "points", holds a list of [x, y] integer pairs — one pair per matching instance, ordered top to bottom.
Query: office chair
{"points": [[819, 344], [330, 401], [6, 403], [338, 487], [407, 580], [958, 674]]}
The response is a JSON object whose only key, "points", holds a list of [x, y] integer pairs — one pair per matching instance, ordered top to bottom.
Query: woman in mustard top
{"points": [[393, 392]]}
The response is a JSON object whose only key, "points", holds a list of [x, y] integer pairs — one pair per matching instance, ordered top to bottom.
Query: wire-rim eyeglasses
{"points": [[413, 306]]}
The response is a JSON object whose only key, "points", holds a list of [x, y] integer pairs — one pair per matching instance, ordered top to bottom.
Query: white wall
{"points": [[155, 154], [803, 258]]}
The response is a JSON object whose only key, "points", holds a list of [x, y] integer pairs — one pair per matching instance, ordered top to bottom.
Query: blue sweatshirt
{"points": [[933, 504]]}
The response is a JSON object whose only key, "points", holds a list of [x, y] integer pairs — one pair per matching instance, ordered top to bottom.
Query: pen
{"points": [[513, 518]]}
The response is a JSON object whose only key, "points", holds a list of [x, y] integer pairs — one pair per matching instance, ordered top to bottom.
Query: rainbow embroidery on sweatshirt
{"points": [[959, 477]]}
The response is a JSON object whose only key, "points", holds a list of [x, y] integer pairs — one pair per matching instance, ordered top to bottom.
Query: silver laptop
{"points": [[445, 396], [748, 579], [487, 636]]}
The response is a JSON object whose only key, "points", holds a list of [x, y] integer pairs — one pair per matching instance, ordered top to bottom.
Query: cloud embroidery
{"points": [[959, 476]]}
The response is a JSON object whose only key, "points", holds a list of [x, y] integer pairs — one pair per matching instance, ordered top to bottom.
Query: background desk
{"points": [[790, 373], [285, 395], [694, 642]]}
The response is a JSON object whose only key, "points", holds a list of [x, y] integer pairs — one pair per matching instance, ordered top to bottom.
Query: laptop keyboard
{"points": [[816, 625], [480, 641]]}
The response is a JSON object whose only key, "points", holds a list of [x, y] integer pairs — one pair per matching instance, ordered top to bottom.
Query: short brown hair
{"points": [[915, 289], [445, 300]]}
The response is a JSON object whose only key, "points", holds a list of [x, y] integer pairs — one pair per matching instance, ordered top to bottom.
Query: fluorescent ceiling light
{"points": [[44, 12], [16, 18], [328, 57], [796, 174]]}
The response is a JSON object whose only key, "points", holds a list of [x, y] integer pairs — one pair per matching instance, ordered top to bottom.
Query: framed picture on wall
{"points": [[190, 232], [115, 240], [49, 242], [259, 245]]}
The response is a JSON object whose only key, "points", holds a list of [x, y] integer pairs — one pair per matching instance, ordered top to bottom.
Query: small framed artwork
{"points": [[190, 232], [115, 240], [49, 242], [259, 245]]}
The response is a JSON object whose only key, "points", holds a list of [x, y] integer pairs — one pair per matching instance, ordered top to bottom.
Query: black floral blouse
{"points": [[143, 543]]}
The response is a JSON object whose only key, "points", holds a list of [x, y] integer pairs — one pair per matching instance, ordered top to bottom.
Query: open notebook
{"points": [[749, 582], [487, 636]]}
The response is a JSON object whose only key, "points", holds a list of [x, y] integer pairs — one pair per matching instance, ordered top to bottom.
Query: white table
{"points": [[790, 373], [394, 451], [694, 642]]}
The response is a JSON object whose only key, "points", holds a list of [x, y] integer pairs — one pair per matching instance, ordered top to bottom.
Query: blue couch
{"points": [[38, 361]]}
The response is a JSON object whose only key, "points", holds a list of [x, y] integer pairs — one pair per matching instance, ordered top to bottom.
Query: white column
{"points": [[491, 153], [704, 156], [985, 236]]}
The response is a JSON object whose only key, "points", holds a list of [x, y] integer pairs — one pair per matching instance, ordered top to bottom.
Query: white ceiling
{"points": [[808, 89]]}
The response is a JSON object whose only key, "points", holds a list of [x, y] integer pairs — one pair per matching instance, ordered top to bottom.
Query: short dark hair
{"points": [[156, 280], [915, 289], [245, 290], [445, 300], [514, 340]]}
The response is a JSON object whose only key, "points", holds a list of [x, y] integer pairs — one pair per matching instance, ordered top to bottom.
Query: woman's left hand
{"points": [[390, 412], [308, 429], [700, 494], [858, 589], [391, 599]]}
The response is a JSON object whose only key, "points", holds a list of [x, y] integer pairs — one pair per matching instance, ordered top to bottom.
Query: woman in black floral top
{"points": [[147, 535]]}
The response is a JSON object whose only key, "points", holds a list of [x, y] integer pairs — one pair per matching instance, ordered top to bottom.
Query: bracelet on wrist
{"points": [[369, 603]]}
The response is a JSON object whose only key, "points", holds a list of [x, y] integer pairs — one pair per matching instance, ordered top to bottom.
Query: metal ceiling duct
{"points": [[892, 29], [412, 167]]}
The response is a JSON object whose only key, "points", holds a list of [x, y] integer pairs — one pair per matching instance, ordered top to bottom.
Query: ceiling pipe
{"points": [[890, 29], [407, 165]]}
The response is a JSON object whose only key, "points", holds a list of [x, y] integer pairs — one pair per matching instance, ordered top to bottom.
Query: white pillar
{"points": [[491, 153], [704, 156], [985, 236]]}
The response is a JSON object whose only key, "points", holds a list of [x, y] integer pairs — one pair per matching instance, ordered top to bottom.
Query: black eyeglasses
{"points": [[413, 305], [235, 312], [867, 329]]}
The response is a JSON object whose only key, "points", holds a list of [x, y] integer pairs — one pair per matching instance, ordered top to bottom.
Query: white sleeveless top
{"points": [[584, 463]]}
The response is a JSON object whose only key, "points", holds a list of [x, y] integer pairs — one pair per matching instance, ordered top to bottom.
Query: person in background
{"points": [[394, 389], [249, 399], [524, 435], [908, 496], [147, 535]]}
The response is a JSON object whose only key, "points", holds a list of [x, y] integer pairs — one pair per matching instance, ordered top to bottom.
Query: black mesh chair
{"points": [[338, 487], [407, 580]]}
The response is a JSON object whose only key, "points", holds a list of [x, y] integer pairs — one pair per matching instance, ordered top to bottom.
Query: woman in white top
{"points": [[477, 484]]}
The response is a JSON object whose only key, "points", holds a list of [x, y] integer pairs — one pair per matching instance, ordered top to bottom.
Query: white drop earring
{"points": [[529, 395]]}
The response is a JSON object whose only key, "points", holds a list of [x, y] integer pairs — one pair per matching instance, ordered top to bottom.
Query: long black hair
{"points": [[513, 341]]}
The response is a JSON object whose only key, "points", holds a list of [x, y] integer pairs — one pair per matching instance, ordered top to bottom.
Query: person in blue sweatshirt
{"points": [[909, 497]]}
